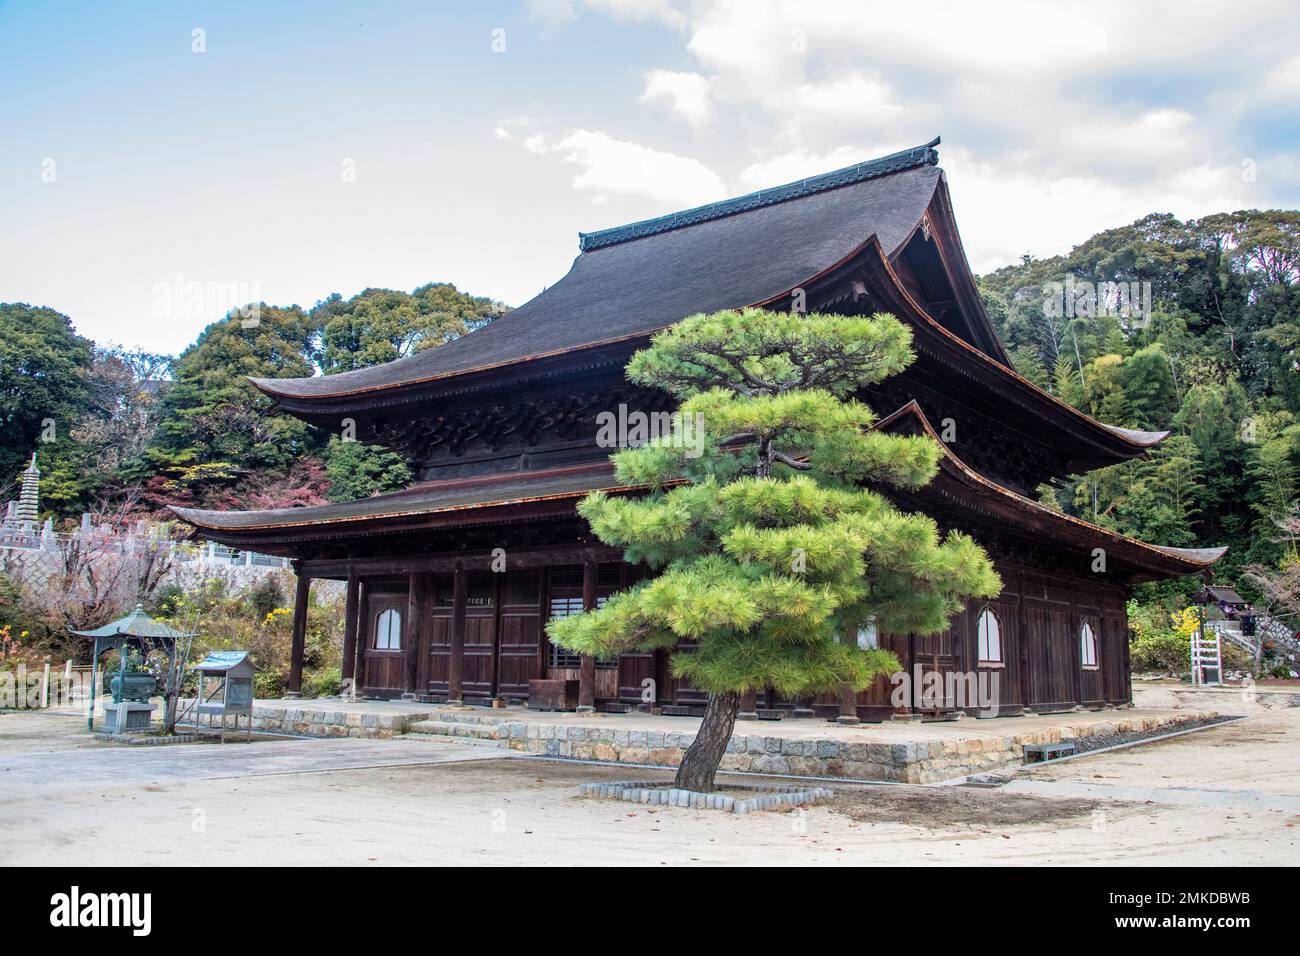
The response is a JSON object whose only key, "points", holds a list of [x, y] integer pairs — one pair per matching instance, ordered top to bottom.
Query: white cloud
{"points": [[637, 11], [552, 13], [555, 13], [1284, 79], [687, 95], [1059, 120], [506, 128], [613, 166], [787, 167], [1006, 211]]}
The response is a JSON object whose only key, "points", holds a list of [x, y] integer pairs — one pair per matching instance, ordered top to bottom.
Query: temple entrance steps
{"points": [[464, 727]]}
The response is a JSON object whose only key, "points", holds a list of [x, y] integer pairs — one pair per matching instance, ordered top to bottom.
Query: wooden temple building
{"points": [[450, 582]]}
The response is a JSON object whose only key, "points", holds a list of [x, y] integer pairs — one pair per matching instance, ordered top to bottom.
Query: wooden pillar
{"points": [[301, 597], [351, 611], [959, 630], [411, 639], [1027, 650], [908, 659], [456, 660], [587, 663], [359, 669], [1076, 672], [848, 697], [748, 705], [848, 706]]}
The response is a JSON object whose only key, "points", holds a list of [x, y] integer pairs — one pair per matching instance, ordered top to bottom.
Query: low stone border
{"points": [[309, 721], [146, 740], [1097, 741], [657, 793]]}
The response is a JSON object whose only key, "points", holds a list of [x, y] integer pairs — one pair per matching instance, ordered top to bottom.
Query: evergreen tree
{"points": [[381, 325], [43, 367], [1148, 385], [214, 416], [1214, 417], [356, 470], [1159, 505], [773, 551]]}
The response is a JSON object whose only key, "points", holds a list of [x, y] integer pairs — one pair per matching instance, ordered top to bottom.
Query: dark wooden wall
{"points": [[1041, 615]]}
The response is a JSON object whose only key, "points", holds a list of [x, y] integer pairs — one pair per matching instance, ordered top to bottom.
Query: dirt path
{"points": [[1261, 753], [523, 811]]}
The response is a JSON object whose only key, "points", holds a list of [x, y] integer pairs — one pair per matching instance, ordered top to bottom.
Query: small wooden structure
{"points": [[138, 628], [234, 670], [553, 694]]}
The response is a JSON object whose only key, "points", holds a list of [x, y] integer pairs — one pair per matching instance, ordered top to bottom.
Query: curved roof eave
{"points": [[960, 275], [1137, 437], [1138, 440], [420, 501], [1192, 559]]}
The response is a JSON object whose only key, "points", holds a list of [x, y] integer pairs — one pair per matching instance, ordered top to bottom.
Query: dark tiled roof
{"points": [[861, 172], [736, 253], [424, 498]]}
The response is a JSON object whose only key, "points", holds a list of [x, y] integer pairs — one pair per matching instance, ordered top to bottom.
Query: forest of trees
{"points": [[1211, 352], [190, 429]]}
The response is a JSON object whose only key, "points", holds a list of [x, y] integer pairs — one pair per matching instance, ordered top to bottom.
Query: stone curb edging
{"points": [[308, 721], [141, 740], [657, 793]]}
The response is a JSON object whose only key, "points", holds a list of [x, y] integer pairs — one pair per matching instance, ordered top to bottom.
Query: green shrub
{"points": [[266, 596], [168, 601], [1165, 651], [1236, 658], [326, 682], [268, 685]]}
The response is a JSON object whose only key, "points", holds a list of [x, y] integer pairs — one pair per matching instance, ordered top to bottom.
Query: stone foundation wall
{"points": [[913, 762], [916, 762]]}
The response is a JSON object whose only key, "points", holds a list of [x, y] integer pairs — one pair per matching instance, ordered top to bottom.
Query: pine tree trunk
{"points": [[700, 762]]}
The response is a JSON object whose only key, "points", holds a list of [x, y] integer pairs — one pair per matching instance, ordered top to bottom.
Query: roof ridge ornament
{"points": [[924, 155]]}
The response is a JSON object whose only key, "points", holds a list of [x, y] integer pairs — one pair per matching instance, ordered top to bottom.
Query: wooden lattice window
{"points": [[565, 607], [388, 630], [989, 632], [1088, 646]]}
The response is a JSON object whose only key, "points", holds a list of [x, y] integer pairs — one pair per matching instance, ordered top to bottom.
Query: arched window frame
{"points": [[388, 630], [988, 642], [1088, 646]]}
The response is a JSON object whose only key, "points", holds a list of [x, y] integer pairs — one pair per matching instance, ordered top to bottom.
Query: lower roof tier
{"points": [[971, 500]]}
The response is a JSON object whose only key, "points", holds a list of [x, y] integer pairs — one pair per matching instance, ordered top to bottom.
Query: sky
{"points": [[164, 162]]}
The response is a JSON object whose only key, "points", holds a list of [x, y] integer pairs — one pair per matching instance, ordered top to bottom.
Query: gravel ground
{"points": [[1102, 741], [69, 801]]}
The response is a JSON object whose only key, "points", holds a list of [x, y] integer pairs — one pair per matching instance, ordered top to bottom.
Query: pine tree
{"points": [[773, 549]]}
